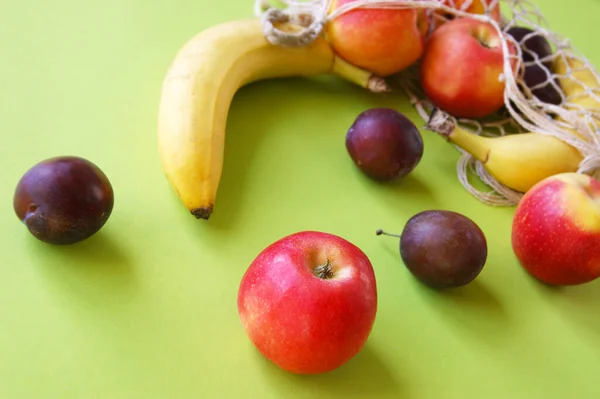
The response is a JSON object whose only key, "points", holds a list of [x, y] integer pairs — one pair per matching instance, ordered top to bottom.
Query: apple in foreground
{"points": [[382, 41], [461, 67], [556, 229], [308, 302]]}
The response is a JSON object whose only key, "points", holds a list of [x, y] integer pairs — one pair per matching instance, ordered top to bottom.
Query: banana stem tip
{"points": [[378, 85], [440, 123]]}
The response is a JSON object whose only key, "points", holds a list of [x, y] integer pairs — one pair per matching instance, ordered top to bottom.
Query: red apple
{"points": [[383, 41], [461, 67], [556, 229], [308, 302]]}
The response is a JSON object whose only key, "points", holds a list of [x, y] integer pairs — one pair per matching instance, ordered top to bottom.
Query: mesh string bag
{"points": [[573, 115]]}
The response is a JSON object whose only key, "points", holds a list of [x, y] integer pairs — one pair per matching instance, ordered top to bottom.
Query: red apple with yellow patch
{"points": [[481, 7], [491, 7], [383, 41], [461, 67], [556, 229], [308, 302]]}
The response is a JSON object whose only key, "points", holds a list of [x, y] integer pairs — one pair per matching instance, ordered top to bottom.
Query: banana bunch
{"points": [[198, 89], [519, 161]]}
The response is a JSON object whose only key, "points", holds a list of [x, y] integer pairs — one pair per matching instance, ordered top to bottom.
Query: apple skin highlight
{"points": [[556, 230], [301, 322]]}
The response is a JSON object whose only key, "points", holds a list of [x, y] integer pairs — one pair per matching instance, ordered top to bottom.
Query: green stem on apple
{"points": [[324, 271]]}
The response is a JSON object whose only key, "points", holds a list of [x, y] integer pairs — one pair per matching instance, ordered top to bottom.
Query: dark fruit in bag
{"points": [[537, 74], [384, 144], [63, 200]]}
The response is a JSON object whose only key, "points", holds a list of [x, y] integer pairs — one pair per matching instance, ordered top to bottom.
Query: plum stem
{"points": [[380, 232], [324, 271]]}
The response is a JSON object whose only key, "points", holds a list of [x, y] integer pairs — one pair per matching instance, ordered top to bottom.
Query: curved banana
{"points": [[200, 85], [517, 161]]}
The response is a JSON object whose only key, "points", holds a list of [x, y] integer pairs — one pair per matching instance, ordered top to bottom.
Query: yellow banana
{"points": [[570, 71], [575, 77], [200, 85], [517, 161]]}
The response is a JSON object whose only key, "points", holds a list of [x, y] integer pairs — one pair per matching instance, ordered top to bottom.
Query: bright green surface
{"points": [[147, 308]]}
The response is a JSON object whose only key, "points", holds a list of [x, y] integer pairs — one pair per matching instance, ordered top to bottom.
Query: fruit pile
{"points": [[468, 58], [497, 72], [308, 301]]}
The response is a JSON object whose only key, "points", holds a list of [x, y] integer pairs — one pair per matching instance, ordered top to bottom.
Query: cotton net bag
{"points": [[522, 111]]}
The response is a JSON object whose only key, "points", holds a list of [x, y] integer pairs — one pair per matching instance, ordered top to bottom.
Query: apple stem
{"points": [[479, 36], [380, 232], [324, 271]]}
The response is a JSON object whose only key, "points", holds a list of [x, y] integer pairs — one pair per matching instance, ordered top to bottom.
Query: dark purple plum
{"points": [[535, 46], [546, 92], [384, 144], [63, 200], [442, 249]]}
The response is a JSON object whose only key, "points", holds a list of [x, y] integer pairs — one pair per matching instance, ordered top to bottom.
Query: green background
{"points": [[147, 308]]}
